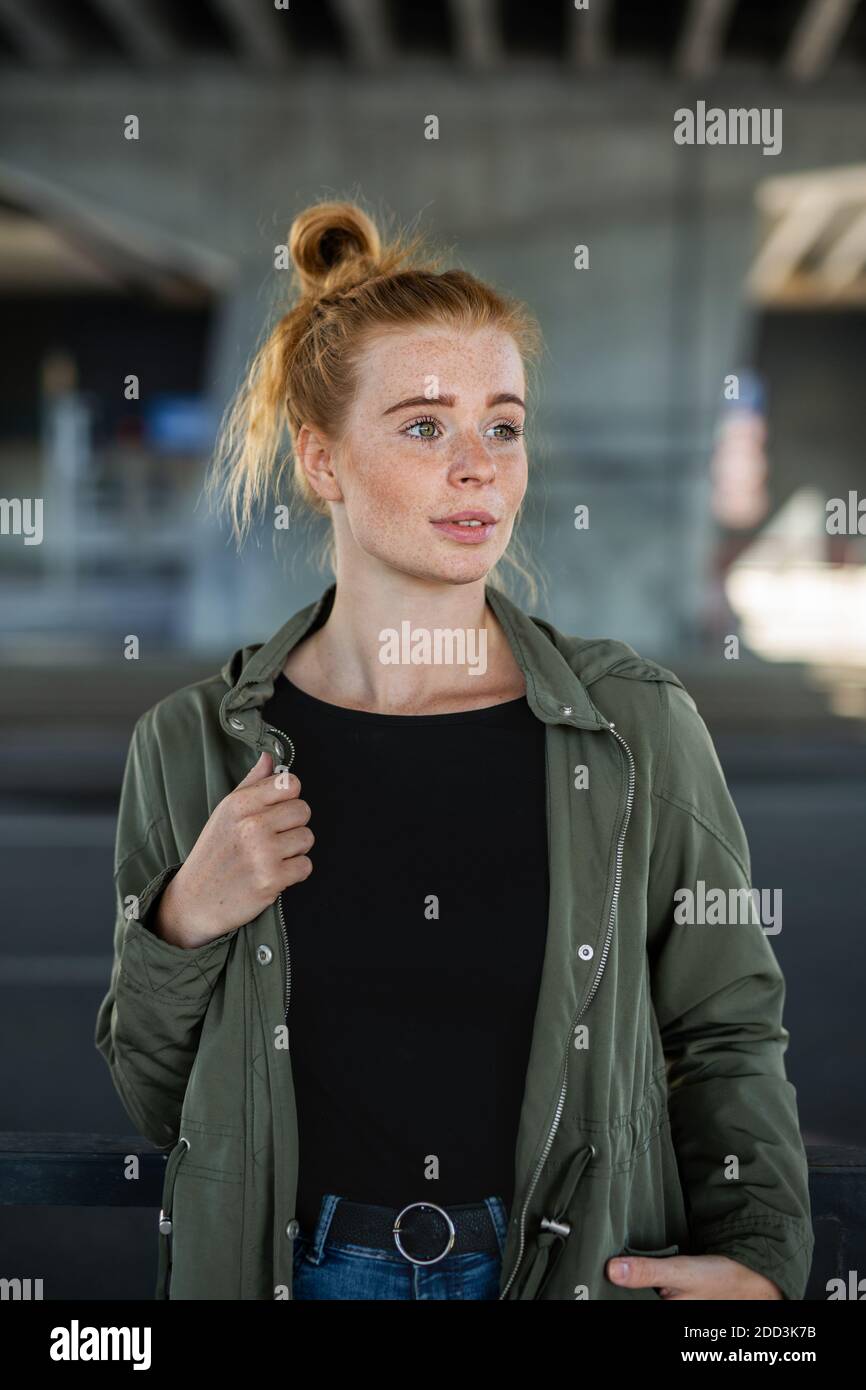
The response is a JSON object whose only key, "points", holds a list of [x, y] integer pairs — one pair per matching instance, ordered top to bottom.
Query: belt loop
{"points": [[499, 1218], [323, 1225]]}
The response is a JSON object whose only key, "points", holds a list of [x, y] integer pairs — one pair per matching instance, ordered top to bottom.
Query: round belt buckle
{"points": [[451, 1237]]}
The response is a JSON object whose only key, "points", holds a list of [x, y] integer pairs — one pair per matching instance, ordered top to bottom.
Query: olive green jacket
{"points": [[656, 1117]]}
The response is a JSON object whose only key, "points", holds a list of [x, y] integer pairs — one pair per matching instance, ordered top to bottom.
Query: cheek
{"points": [[521, 472], [514, 480], [388, 482]]}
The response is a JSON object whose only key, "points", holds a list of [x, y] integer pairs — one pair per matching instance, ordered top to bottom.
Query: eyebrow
{"points": [[501, 398]]}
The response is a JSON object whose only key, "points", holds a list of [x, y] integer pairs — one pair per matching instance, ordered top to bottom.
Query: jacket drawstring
{"points": [[555, 1228], [163, 1278]]}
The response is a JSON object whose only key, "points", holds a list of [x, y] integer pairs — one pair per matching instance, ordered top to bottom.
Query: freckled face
{"points": [[435, 430]]}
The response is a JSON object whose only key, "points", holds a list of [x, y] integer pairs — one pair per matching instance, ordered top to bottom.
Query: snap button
{"points": [[566, 709], [236, 723], [585, 952], [264, 954], [292, 1229]]}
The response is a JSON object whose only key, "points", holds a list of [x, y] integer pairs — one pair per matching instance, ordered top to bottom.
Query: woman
{"points": [[456, 1041]]}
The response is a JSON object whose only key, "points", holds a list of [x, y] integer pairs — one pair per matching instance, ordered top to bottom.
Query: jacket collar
{"points": [[553, 690]]}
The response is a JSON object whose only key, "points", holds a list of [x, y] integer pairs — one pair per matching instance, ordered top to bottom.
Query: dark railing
{"points": [[78, 1170], [87, 1170]]}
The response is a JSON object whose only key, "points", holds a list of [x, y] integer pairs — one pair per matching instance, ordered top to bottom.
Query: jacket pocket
{"points": [[175, 1158], [653, 1254]]}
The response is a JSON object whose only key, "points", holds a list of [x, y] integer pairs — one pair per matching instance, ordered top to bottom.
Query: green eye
{"points": [[427, 426], [511, 428]]}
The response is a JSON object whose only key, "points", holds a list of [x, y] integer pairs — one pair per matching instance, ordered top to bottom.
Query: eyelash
{"points": [[513, 425]]}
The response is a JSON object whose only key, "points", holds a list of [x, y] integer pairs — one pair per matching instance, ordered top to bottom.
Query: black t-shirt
{"points": [[416, 947]]}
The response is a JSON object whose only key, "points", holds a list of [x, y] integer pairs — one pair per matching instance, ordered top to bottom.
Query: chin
{"points": [[442, 569]]}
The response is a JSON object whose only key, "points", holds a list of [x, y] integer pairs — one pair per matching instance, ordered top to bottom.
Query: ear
{"points": [[315, 454]]}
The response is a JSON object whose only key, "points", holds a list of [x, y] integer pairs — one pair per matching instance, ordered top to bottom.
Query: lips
{"points": [[483, 517], [469, 528]]}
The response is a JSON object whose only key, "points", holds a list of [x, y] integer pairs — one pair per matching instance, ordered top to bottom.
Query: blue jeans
{"points": [[323, 1270]]}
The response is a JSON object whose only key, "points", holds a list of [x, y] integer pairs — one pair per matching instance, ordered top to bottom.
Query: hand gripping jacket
{"points": [[657, 1117]]}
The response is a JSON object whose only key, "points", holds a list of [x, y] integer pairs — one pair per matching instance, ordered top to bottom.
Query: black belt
{"points": [[422, 1231]]}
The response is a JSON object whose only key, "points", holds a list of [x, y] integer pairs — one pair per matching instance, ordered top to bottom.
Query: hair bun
{"points": [[332, 245]]}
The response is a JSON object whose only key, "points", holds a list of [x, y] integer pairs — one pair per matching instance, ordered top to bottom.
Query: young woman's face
{"points": [[435, 431]]}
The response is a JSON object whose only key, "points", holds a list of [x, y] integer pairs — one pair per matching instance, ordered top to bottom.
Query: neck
{"points": [[363, 652]]}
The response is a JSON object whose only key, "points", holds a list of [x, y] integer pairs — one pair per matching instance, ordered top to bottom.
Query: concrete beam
{"points": [[366, 27], [141, 29], [590, 34], [262, 35], [703, 37], [816, 37], [478, 39], [40, 41], [841, 183], [794, 234], [127, 249], [846, 259]]}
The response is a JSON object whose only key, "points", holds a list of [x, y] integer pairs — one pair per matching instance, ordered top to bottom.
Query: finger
{"points": [[258, 771], [281, 785], [285, 815], [299, 840], [296, 869], [645, 1271]]}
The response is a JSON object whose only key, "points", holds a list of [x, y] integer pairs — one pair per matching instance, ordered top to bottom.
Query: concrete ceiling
{"points": [[807, 40]]}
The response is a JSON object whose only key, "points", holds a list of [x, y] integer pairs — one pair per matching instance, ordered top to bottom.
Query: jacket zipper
{"points": [[286, 952], [560, 1105]]}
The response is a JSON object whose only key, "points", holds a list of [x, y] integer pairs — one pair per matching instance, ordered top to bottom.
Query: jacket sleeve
{"points": [[718, 995], [149, 1022]]}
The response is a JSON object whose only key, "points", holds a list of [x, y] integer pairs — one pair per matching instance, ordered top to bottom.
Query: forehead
{"points": [[477, 361]]}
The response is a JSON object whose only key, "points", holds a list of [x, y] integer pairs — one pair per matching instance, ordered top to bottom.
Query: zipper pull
{"points": [[280, 743]]}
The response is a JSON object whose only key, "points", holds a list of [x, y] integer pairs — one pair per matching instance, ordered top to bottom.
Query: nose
{"points": [[471, 460]]}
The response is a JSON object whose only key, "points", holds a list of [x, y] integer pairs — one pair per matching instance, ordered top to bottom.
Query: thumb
{"points": [[259, 770], [638, 1271]]}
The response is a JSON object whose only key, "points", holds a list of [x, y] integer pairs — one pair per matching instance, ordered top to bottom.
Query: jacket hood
{"points": [[559, 669]]}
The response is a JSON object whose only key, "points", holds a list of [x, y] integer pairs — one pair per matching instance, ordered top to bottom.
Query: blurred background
{"points": [[703, 395]]}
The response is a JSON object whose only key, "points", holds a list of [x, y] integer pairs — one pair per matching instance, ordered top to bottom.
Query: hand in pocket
{"points": [[690, 1277]]}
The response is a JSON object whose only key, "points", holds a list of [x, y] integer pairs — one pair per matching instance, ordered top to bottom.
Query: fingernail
{"points": [[619, 1269]]}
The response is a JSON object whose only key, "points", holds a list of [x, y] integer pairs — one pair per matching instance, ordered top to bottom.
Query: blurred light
{"points": [[179, 424], [739, 464], [792, 603], [808, 612]]}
